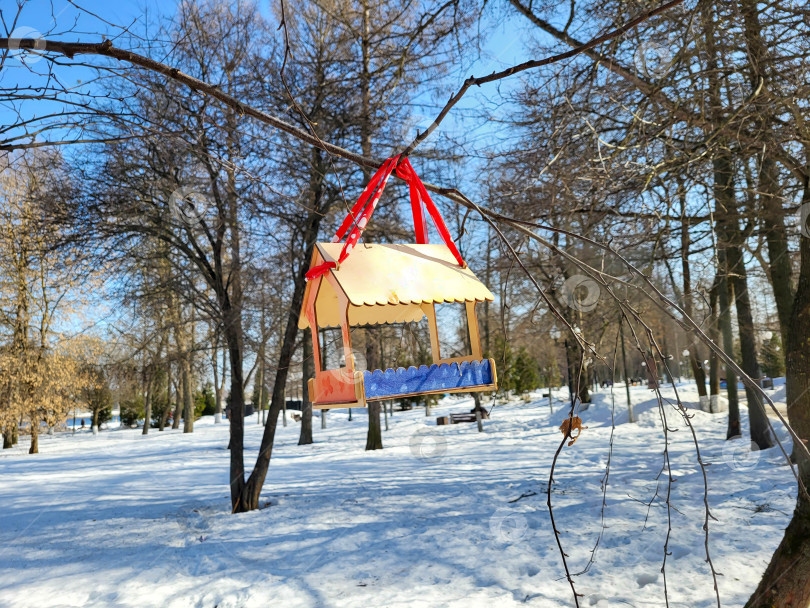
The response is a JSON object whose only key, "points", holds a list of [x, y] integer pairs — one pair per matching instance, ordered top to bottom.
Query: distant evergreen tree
{"points": [[773, 357], [504, 363], [526, 372], [518, 373], [99, 397], [254, 400], [205, 403], [132, 411]]}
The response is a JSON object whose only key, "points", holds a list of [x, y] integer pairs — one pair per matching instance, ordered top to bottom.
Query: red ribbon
{"points": [[360, 213]]}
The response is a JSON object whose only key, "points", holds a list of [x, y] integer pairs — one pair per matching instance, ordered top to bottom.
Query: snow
{"points": [[443, 516]]}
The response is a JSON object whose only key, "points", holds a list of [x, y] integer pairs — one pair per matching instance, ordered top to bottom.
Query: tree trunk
{"points": [[772, 214], [773, 224], [731, 245], [724, 300], [695, 361], [714, 362], [665, 363], [308, 365], [260, 381], [219, 383], [178, 389], [188, 399], [178, 403], [236, 406], [147, 410], [630, 414], [165, 415], [758, 419], [374, 436], [7, 440], [34, 449], [249, 497], [786, 582]]}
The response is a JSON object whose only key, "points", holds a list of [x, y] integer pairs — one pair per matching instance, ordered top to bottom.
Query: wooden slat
{"points": [[472, 326], [435, 347], [481, 388]]}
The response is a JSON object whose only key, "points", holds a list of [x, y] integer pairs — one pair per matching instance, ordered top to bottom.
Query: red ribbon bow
{"points": [[360, 213]]}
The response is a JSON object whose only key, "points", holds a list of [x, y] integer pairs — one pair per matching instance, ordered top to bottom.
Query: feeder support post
{"points": [[430, 313], [472, 326]]}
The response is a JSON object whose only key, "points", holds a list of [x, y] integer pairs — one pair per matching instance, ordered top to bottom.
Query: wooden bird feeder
{"points": [[380, 284], [392, 284]]}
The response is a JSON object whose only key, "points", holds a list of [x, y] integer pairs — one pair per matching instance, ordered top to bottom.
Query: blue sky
{"points": [[60, 19], [505, 44]]}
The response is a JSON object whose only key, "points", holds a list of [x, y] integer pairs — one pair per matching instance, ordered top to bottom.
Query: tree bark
{"points": [[772, 214], [773, 224], [731, 244], [724, 300], [178, 339], [695, 361], [714, 362], [260, 381], [219, 383], [581, 390], [188, 399], [178, 403], [236, 406], [147, 409], [165, 415], [757, 417], [374, 436], [305, 438], [34, 449], [786, 582]]}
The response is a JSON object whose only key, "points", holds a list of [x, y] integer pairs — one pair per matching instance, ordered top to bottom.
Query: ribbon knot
{"points": [[360, 213]]}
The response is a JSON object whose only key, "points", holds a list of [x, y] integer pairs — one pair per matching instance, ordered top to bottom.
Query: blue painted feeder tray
{"points": [[428, 379]]}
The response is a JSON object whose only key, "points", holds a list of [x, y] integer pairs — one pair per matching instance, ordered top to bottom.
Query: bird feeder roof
{"points": [[390, 283]]}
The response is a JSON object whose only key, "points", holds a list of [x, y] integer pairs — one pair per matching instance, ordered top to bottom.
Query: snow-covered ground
{"points": [[443, 516]]}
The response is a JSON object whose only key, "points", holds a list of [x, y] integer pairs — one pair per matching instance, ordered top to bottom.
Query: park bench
{"points": [[467, 417]]}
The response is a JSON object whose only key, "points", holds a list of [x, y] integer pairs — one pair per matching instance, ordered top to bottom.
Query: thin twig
{"points": [[532, 64]]}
